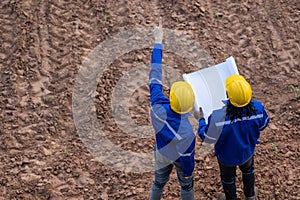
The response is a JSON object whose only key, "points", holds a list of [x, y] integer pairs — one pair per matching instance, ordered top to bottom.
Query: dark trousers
{"points": [[228, 174]]}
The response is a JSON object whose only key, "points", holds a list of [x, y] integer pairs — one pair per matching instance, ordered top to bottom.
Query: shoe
{"points": [[220, 196], [254, 197]]}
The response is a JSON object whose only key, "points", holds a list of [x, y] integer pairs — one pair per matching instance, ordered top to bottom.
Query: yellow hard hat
{"points": [[238, 90], [181, 97]]}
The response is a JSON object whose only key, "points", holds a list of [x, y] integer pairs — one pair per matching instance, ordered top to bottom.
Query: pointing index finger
{"points": [[160, 22]]}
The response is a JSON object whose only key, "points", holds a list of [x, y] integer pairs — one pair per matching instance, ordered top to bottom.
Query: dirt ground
{"points": [[44, 42]]}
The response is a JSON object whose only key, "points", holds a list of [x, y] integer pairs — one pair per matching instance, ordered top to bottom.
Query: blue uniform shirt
{"points": [[174, 134], [234, 141]]}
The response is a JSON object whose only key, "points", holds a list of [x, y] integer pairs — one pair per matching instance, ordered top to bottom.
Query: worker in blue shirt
{"points": [[235, 130], [175, 139]]}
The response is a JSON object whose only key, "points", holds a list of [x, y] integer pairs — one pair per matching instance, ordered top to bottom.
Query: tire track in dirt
{"points": [[8, 31], [13, 43], [62, 47], [8, 49], [285, 52], [8, 54], [35, 74], [12, 143]]}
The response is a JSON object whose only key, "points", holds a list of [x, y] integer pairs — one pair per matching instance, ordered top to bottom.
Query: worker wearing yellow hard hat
{"points": [[238, 90], [181, 97], [235, 130], [175, 139]]}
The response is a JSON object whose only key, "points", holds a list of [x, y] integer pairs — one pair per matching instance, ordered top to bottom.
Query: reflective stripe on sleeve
{"points": [[155, 80], [243, 119], [266, 121], [168, 125], [207, 136], [185, 154]]}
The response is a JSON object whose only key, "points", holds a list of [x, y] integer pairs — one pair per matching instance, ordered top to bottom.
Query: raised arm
{"points": [[155, 78]]}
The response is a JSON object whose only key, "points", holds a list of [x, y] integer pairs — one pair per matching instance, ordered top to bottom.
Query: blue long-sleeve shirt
{"points": [[174, 134], [234, 141]]}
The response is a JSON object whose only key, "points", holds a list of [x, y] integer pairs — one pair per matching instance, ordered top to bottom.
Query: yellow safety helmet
{"points": [[238, 90], [181, 97]]}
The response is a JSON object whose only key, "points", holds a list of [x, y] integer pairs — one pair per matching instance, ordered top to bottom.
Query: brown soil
{"points": [[43, 44]]}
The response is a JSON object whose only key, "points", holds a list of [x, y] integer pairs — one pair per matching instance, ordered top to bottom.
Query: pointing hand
{"points": [[158, 32]]}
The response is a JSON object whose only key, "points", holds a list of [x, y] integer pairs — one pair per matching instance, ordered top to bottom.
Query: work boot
{"points": [[220, 196], [254, 197]]}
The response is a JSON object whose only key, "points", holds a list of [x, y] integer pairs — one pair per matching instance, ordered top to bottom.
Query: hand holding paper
{"points": [[209, 86], [198, 114], [201, 114]]}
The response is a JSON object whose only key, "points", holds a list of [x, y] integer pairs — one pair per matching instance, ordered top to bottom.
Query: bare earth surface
{"points": [[43, 44]]}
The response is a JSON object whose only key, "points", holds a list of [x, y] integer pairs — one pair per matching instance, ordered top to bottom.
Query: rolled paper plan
{"points": [[209, 85]]}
